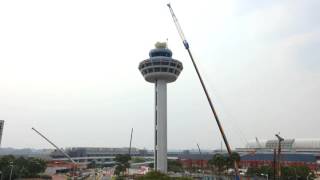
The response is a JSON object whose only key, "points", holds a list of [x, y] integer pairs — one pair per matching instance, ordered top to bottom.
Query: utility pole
{"points": [[187, 47], [280, 139], [274, 163]]}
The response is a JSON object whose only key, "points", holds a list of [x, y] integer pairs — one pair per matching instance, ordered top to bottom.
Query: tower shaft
{"points": [[160, 68], [161, 126]]}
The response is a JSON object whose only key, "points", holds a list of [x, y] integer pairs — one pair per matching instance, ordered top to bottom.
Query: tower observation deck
{"points": [[160, 69]]}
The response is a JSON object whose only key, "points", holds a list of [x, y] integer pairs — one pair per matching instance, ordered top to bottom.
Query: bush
{"points": [[155, 175]]}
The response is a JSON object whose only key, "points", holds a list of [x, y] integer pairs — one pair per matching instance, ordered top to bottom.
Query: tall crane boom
{"points": [[176, 22], [186, 45]]}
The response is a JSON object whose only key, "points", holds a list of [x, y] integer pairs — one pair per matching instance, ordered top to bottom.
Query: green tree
{"points": [[235, 157], [138, 160], [219, 162], [122, 163], [151, 165], [35, 166], [174, 166], [22, 167], [119, 169], [260, 171], [287, 172], [296, 172], [155, 175]]}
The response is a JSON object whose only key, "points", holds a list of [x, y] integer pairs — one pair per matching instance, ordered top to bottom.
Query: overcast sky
{"points": [[69, 69]]}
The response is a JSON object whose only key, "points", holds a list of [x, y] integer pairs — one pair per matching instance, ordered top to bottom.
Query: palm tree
{"points": [[235, 158], [219, 162]]}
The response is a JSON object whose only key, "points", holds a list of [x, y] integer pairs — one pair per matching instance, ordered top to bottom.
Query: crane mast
{"points": [[186, 45], [130, 142]]}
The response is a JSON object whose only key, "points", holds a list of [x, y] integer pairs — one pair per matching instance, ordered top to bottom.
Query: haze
{"points": [[69, 69]]}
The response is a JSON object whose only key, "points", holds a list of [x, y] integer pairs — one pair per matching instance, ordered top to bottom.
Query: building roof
{"points": [[286, 144], [195, 156], [297, 157]]}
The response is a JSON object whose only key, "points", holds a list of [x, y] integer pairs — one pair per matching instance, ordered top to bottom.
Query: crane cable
{"points": [[186, 45]]}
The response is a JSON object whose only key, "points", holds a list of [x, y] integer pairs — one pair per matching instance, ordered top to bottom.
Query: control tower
{"points": [[160, 69]]}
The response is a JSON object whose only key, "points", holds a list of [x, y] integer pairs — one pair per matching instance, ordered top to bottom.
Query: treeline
{"points": [[21, 167], [287, 172]]}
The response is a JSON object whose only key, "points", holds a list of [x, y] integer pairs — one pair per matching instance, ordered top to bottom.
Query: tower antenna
{"points": [[186, 45]]}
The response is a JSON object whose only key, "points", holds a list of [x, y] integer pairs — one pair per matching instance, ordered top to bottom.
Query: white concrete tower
{"points": [[160, 69]]}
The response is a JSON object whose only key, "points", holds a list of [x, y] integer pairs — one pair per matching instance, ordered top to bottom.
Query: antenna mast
{"points": [[186, 45]]}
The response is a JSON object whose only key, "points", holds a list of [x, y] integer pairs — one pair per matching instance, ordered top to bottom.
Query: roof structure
{"points": [[286, 144], [292, 157]]}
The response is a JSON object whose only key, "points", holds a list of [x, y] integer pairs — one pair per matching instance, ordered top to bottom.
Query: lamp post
{"points": [[10, 164], [267, 175]]}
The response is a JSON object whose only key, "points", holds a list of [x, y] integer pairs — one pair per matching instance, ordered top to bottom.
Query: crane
{"points": [[187, 47], [130, 142], [258, 142], [59, 149], [199, 149], [201, 161]]}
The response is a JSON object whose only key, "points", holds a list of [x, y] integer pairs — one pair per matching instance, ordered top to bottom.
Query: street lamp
{"points": [[10, 164], [267, 175]]}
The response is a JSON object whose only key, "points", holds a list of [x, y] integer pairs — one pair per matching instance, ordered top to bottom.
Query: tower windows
{"points": [[164, 69]]}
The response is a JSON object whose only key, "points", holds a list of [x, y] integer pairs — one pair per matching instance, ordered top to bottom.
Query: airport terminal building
{"points": [[294, 152]]}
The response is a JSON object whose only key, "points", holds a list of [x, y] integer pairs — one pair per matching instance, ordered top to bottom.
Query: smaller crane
{"points": [[258, 143], [57, 148], [199, 149], [201, 161]]}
